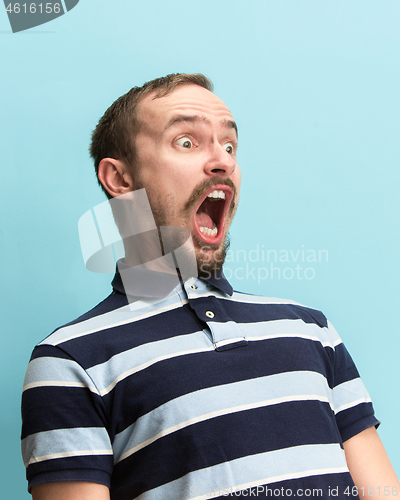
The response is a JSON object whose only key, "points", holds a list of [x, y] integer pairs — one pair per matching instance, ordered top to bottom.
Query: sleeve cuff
{"points": [[359, 426], [86, 475]]}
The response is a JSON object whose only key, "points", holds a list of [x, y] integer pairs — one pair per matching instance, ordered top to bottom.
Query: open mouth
{"points": [[211, 213]]}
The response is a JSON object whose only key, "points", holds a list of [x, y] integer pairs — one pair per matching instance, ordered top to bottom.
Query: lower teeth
{"points": [[209, 232]]}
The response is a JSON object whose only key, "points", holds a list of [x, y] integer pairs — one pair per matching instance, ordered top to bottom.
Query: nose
{"points": [[220, 162]]}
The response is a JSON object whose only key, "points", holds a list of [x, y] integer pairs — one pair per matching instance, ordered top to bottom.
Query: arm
{"points": [[64, 434], [370, 467], [70, 491]]}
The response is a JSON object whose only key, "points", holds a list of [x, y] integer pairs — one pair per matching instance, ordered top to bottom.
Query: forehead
{"points": [[184, 100]]}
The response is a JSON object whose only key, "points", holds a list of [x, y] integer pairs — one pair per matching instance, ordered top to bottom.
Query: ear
{"points": [[115, 176]]}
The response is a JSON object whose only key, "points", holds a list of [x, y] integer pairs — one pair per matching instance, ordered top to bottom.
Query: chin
{"points": [[210, 258]]}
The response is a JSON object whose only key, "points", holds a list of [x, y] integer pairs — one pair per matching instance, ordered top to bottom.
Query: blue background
{"points": [[314, 86]]}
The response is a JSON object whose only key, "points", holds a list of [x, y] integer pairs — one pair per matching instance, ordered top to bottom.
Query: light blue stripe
{"points": [[256, 299], [123, 315], [289, 327], [225, 331], [121, 365], [56, 371], [107, 374], [349, 394], [222, 399], [57, 443], [263, 468]]}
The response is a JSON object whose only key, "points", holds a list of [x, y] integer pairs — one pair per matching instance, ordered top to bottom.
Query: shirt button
{"points": [[193, 287], [210, 314]]}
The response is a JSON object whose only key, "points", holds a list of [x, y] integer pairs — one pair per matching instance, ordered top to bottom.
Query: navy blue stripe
{"points": [[242, 312], [42, 351], [345, 369], [173, 377], [48, 408], [354, 420], [222, 439], [77, 465], [92, 476]]}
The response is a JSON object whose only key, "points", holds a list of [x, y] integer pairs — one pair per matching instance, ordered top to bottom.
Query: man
{"points": [[194, 391]]}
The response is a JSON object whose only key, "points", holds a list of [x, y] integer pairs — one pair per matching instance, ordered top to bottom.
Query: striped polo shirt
{"points": [[198, 393]]}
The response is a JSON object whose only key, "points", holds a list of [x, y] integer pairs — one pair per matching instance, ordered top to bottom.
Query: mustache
{"points": [[207, 184]]}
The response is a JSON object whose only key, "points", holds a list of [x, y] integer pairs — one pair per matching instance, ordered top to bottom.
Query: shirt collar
{"points": [[219, 281], [147, 284]]}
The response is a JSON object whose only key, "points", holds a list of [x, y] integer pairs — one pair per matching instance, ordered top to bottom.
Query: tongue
{"points": [[204, 220]]}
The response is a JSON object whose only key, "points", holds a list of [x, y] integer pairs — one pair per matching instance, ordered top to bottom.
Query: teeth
{"points": [[217, 194], [209, 232]]}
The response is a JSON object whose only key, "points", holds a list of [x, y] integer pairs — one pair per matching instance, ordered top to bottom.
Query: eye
{"points": [[185, 142], [228, 148]]}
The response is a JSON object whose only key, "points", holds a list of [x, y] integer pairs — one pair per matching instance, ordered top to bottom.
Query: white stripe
{"points": [[334, 334], [289, 335], [337, 342], [221, 343], [56, 372], [59, 383], [352, 404], [66, 454]]}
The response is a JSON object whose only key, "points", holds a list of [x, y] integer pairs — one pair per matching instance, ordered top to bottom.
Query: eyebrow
{"points": [[199, 118]]}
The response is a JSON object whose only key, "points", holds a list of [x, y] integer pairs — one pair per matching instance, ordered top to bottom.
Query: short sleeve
{"points": [[353, 407], [64, 423]]}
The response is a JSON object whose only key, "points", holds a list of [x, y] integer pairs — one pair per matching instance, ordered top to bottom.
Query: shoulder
{"points": [[283, 317], [96, 318], [106, 330], [65, 349], [61, 360]]}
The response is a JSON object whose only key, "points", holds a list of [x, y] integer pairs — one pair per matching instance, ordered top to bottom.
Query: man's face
{"points": [[186, 159]]}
